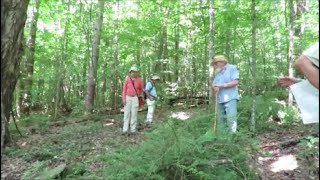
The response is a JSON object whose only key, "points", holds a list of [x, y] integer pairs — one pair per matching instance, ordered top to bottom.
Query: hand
{"points": [[286, 81], [219, 85], [215, 88], [151, 98]]}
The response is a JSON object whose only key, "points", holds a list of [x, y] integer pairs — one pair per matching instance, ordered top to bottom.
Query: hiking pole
{"points": [[215, 112]]}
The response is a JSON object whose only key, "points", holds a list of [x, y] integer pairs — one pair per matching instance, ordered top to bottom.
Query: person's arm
{"points": [[310, 71], [234, 80], [287, 81], [230, 84], [214, 86], [140, 88], [148, 88], [124, 91]]}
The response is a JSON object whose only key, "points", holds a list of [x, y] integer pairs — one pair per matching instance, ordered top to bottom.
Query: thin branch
{"points": [[15, 123]]}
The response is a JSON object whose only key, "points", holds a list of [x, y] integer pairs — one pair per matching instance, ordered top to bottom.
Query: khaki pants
{"points": [[151, 107], [130, 114]]}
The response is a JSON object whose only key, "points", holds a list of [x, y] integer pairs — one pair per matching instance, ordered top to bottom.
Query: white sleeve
{"points": [[312, 53]]}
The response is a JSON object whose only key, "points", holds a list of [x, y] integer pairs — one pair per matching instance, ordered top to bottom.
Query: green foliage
{"points": [[64, 38], [269, 110], [36, 119], [309, 146], [186, 150], [34, 153], [37, 166], [76, 170], [40, 171]]}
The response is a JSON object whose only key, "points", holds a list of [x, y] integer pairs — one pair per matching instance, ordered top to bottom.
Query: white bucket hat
{"points": [[133, 68], [155, 78]]}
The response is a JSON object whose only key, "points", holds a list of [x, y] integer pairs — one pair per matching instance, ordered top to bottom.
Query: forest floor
{"points": [[75, 144], [288, 154]]}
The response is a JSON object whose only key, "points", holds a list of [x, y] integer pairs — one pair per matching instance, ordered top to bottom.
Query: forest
{"points": [[64, 62]]}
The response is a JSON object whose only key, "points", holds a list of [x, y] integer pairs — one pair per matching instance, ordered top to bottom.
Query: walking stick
{"points": [[215, 112]]}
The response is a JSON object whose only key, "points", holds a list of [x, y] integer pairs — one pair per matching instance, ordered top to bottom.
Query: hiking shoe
{"points": [[148, 124], [124, 133], [133, 133]]}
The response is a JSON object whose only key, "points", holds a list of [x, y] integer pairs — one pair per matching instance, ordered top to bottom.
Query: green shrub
{"points": [[181, 150]]}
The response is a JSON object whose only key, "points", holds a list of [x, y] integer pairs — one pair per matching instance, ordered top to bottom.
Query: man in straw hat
{"points": [[225, 83], [132, 89], [151, 94]]}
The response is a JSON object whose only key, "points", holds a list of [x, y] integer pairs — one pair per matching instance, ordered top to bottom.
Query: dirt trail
{"points": [[280, 156]]}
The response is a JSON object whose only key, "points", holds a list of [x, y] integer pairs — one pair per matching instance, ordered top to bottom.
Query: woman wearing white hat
{"points": [[132, 89], [151, 94]]}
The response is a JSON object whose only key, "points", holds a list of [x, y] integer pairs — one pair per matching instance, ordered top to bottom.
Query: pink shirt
{"points": [[128, 87]]}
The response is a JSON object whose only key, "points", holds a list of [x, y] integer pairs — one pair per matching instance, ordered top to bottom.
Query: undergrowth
{"points": [[271, 112], [173, 149], [181, 150]]}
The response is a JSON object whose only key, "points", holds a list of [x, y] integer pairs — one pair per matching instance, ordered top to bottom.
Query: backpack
{"points": [[144, 93]]}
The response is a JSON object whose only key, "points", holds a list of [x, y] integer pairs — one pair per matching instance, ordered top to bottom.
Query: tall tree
{"points": [[13, 19], [300, 26], [165, 46], [210, 46], [176, 48], [115, 56], [290, 56], [94, 59], [253, 64], [27, 72], [60, 103]]}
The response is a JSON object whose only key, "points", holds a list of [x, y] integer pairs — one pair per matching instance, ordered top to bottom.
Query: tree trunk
{"points": [[13, 18], [299, 27], [87, 32], [210, 47], [228, 48], [138, 52], [165, 54], [176, 54], [115, 57], [165, 57], [290, 57], [94, 60], [253, 64], [157, 68], [104, 85], [40, 87], [26, 99], [60, 105]]}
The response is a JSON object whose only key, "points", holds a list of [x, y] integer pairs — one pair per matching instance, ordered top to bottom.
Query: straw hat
{"points": [[219, 58]]}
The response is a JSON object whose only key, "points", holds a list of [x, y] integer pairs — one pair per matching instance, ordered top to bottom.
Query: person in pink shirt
{"points": [[132, 89]]}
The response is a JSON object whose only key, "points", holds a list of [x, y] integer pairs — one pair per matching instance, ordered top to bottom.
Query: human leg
{"points": [[151, 107], [134, 113], [231, 113], [126, 117], [220, 117]]}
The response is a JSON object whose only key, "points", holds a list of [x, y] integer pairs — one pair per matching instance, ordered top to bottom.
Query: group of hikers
{"points": [[224, 85], [133, 93]]}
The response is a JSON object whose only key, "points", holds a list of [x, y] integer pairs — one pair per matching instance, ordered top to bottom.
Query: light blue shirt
{"points": [[229, 74], [152, 91]]}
